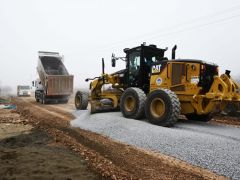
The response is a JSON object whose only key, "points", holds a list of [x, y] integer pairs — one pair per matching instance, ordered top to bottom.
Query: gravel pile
{"points": [[215, 147]]}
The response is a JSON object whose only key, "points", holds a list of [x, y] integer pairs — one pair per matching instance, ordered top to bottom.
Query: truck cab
{"points": [[23, 90]]}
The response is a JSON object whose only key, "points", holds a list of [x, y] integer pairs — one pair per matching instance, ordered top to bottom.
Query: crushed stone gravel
{"points": [[211, 146]]}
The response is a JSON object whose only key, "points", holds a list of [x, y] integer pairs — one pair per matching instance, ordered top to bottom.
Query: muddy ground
{"points": [[44, 146], [29, 153]]}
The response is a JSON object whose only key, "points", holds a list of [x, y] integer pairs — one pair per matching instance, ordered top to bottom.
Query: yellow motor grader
{"points": [[159, 89]]}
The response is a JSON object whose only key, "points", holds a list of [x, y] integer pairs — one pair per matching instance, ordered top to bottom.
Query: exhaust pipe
{"points": [[174, 51], [103, 66], [103, 70], [227, 72]]}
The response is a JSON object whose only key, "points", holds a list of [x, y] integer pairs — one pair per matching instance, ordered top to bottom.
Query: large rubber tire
{"points": [[43, 99], [37, 100], [81, 100], [132, 103], [162, 107], [196, 117]]}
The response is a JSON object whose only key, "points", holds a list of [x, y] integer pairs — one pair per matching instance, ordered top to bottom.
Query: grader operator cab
{"points": [[160, 89]]}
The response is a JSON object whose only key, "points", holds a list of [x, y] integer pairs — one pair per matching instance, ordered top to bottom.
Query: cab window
{"points": [[134, 63]]}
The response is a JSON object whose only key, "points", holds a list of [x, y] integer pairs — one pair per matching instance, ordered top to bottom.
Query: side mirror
{"points": [[113, 60]]}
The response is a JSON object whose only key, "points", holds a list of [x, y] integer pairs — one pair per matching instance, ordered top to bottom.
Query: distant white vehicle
{"points": [[23, 90]]}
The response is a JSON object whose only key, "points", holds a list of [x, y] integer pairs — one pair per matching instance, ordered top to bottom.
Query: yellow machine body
{"points": [[183, 81], [161, 88], [223, 90], [112, 93]]}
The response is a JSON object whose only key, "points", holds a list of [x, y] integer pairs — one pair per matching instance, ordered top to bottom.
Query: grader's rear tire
{"points": [[81, 100], [132, 103], [162, 107], [196, 117]]}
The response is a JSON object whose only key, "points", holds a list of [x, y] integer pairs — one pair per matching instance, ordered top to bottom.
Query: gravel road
{"points": [[215, 147]]}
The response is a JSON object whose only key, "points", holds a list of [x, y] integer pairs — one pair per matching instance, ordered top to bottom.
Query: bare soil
{"points": [[227, 120], [30, 153], [108, 158]]}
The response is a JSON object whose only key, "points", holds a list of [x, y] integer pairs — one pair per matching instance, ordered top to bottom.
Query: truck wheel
{"points": [[37, 100], [43, 100], [81, 100], [132, 103], [162, 107], [196, 117]]}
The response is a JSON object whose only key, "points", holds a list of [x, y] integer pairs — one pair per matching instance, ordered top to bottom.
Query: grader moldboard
{"points": [[160, 89]]}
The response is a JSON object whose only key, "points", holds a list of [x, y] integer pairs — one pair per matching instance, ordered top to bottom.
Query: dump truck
{"points": [[55, 84], [159, 88], [23, 90]]}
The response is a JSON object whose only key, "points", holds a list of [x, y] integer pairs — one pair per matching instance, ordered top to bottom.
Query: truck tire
{"points": [[43, 99], [37, 100], [81, 100], [132, 103], [162, 107], [196, 117]]}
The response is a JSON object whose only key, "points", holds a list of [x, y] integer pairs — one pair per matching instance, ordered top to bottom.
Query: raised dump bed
{"points": [[55, 82]]}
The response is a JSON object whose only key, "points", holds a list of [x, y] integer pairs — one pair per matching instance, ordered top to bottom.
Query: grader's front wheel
{"points": [[81, 100], [132, 103], [162, 107]]}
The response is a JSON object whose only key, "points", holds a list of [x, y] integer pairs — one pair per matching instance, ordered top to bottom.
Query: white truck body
{"points": [[23, 90]]}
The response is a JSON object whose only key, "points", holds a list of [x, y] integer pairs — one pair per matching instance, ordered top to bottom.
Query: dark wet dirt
{"points": [[30, 153]]}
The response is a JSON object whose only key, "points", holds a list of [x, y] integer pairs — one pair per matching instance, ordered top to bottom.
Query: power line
{"points": [[193, 21], [199, 26], [163, 35]]}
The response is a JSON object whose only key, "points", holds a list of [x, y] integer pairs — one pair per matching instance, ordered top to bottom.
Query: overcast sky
{"points": [[87, 30]]}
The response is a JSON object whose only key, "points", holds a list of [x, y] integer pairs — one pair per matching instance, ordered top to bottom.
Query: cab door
{"points": [[134, 69]]}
